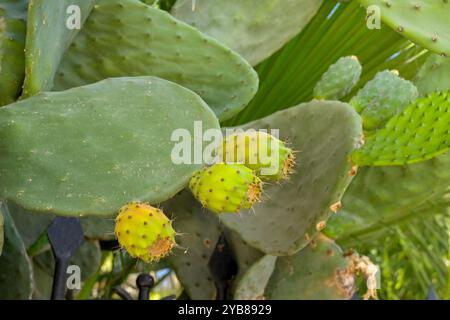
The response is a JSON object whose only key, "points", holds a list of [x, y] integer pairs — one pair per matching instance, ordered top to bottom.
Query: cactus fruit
{"points": [[424, 22], [255, 29], [129, 38], [434, 75], [339, 79], [382, 98], [417, 134], [118, 155], [267, 156], [226, 187], [144, 231]]}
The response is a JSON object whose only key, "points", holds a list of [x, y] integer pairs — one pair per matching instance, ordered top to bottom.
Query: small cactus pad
{"points": [[424, 22], [254, 28], [50, 30], [130, 38], [12, 43], [434, 75], [339, 79], [382, 98], [325, 133], [419, 133], [103, 145], [267, 156], [226, 187], [144, 231], [199, 233], [16, 272], [319, 272], [253, 283]]}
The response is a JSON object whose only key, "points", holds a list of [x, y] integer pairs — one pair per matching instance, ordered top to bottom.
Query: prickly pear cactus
{"points": [[13, 16], [424, 22], [50, 29], [255, 29], [147, 41], [434, 75], [339, 79], [383, 97], [122, 129], [419, 133], [263, 153], [226, 187], [293, 212], [144, 231], [200, 232], [16, 272], [319, 272]]}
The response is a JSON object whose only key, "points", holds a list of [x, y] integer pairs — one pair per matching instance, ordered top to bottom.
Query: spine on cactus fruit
{"points": [[259, 151], [226, 187], [144, 231]]}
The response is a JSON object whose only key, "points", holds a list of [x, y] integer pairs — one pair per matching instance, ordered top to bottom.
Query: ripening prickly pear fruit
{"points": [[339, 79], [382, 98], [269, 157], [226, 187], [144, 231]]}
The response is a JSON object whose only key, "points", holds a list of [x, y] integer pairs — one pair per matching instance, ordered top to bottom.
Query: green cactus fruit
{"points": [[424, 22], [51, 27], [255, 29], [129, 38], [12, 43], [434, 75], [339, 79], [382, 98], [325, 133], [419, 133], [118, 156], [267, 156], [226, 187], [144, 231], [196, 244], [16, 271], [321, 271]]}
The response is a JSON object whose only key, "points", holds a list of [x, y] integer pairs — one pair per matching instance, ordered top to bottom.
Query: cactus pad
{"points": [[424, 22], [254, 28], [47, 38], [130, 38], [12, 43], [434, 75], [339, 79], [383, 97], [122, 132], [325, 133], [419, 133], [267, 156], [226, 187], [144, 231], [199, 233], [16, 272], [319, 272]]}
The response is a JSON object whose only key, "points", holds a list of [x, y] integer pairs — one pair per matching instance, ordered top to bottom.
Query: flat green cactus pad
{"points": [[13, 15], [424, 22], [254, 28], [50, 30], [130, 38], [434, 75], [324, 133], [419, 133], [102, 145], [197, 239], [16, 272], [319, 272], [253, 283]]}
